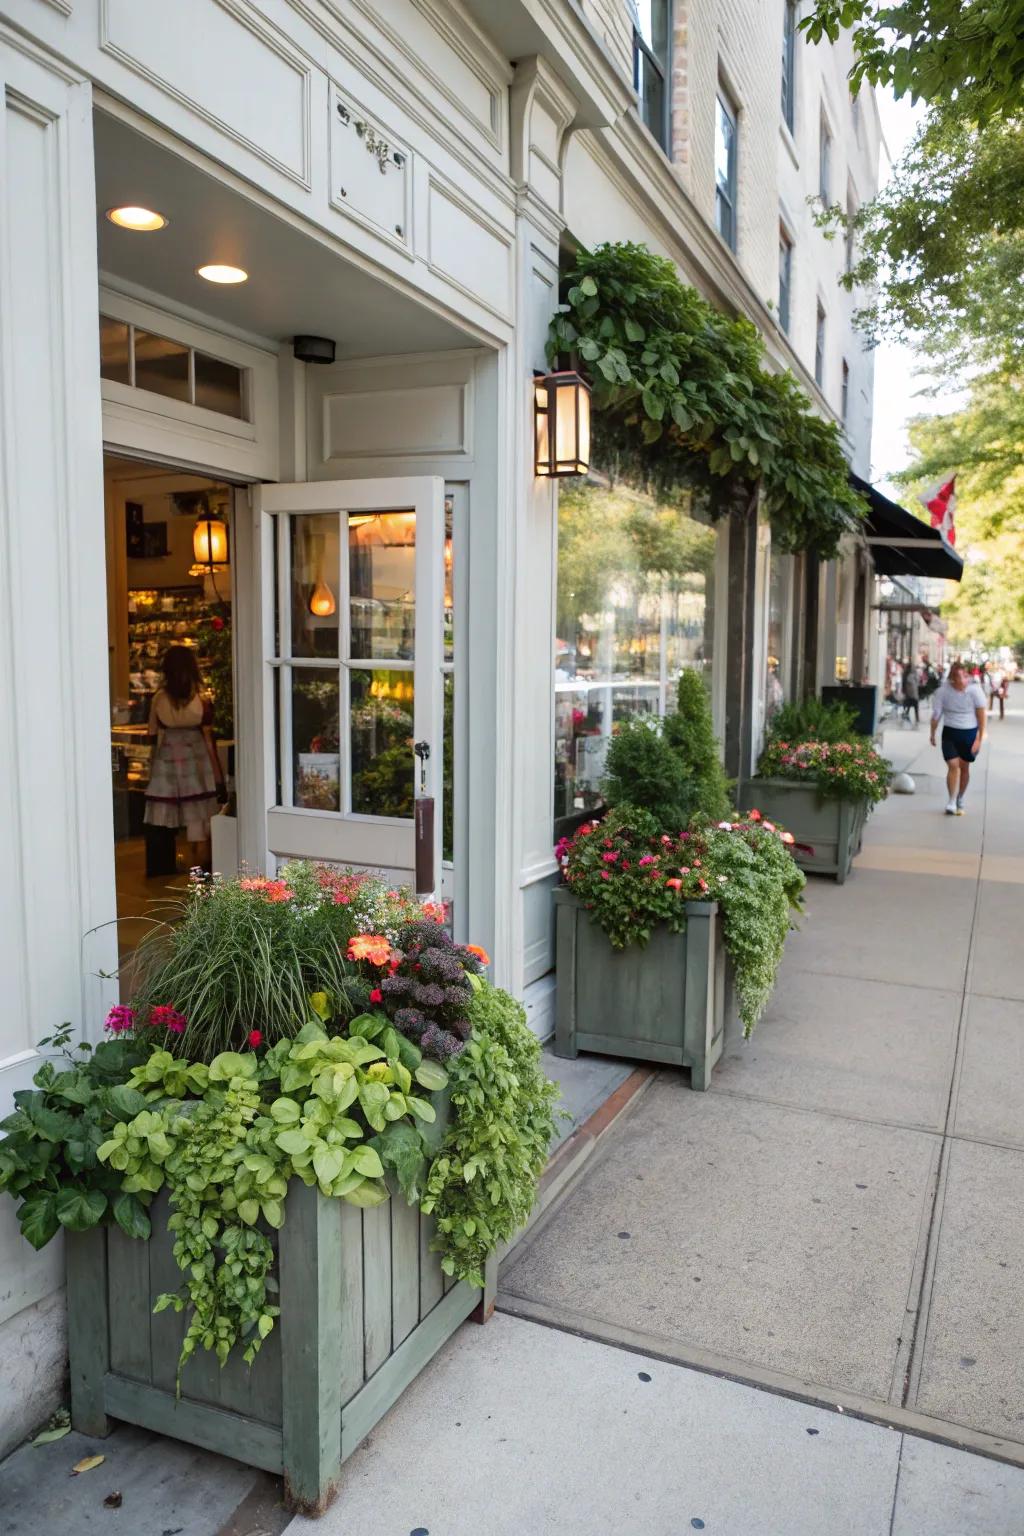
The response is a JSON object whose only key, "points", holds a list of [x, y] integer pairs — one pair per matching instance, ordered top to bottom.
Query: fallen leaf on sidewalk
{"points": [[52, 1434], [86, 1464], [113, 1501]]}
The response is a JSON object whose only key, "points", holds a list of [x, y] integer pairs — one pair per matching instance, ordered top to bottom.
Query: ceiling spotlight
{"points": [[144, 219], [214, 272]]}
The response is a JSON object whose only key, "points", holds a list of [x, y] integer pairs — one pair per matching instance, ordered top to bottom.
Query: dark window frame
{"points": [[644, 53], [789, 64], [727, 198], [785, 278], [820, 322]]}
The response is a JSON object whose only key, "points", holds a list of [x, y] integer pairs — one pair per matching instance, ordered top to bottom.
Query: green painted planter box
{"points": [[830, 831], [665, 1002], [364, 1307]]}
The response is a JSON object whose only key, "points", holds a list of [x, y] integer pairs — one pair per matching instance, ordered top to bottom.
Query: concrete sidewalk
{"points": [[838, 1220]]}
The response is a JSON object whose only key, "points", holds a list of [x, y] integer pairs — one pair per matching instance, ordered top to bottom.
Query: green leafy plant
{"points": [[683, 397], [811, 718], [690, 734], [642, 770], [841, 770], [632, 877], [48, 1155], [483, 1182]]}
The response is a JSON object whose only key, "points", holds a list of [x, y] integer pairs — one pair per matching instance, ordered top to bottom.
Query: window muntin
{"points": [[652, 48], [789, 64], [725, 171], [785, 278], [819, 347], [143, 359], [635, 607]]}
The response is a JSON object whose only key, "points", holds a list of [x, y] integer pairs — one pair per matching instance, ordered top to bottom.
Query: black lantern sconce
{"points": [[561, 424]]}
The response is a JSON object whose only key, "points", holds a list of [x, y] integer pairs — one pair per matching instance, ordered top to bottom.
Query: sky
{"points": [[896, 382]]}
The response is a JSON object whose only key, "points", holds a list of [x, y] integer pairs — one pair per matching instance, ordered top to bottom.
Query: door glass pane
{"points": [[161, 365], [315, 584], [382, 584], [381, 722], [316, 765]]}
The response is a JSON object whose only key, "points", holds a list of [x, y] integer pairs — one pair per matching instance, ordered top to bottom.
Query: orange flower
{"points": [[253, 883], [674, 885], [277, 890], [434, 911], [369, 946], [481, 954]]}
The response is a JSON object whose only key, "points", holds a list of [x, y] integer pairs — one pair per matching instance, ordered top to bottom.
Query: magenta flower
{"points": [[162, 1017], [120, 1020]]}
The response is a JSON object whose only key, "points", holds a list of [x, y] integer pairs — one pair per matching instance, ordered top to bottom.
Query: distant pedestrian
{"points": [[997, 691], [911, 693], [960, 705]]}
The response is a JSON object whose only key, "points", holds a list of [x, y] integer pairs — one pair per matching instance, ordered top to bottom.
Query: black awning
{"points": [[902, 544]]}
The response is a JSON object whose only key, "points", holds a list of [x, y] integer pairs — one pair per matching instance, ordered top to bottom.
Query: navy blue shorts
{"points": [[957, 743]]}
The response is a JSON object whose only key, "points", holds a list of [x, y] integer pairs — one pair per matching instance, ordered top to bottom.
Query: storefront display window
{"points": [[635, 606], [777, 653]]}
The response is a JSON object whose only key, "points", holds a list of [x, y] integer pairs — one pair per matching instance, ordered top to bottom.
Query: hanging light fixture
{"points": [[561, 416], [209, 544], [321, 602]]}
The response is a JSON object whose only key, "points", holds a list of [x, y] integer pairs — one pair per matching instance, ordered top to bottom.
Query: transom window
{"points": [[652, 48], [725, 170], [143, 360]]}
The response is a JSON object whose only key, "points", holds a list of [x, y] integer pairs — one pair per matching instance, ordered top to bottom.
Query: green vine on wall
{"points": [[685, 398]]}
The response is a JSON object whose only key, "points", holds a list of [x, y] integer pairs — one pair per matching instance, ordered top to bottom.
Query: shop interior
{"points": [[168, 583]]}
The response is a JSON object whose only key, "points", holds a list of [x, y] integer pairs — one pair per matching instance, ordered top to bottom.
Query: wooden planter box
{"points": [[828, 832], [665, 1002], [364, 1307]]}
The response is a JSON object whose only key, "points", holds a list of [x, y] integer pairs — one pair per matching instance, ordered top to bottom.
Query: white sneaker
{"points": [[960, 805], [951, 808]]}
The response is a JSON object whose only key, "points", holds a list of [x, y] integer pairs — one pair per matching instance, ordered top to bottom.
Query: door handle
{"points": [[422, 751]]}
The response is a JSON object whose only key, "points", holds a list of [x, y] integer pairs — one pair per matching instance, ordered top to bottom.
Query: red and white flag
{"points": [[941, 504]]}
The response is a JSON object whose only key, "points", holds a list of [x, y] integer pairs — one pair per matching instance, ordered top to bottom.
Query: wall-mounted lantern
{"points": [[561, 415], [209, 544]]}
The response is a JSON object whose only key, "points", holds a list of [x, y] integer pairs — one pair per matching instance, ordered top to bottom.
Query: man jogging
{"points": [[961, 706]]}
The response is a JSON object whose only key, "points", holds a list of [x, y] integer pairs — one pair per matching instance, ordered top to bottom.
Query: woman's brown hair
{"points": [[181, 674]]}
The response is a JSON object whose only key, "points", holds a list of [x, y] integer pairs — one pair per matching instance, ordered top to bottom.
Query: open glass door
{"points": [[353, 627]]}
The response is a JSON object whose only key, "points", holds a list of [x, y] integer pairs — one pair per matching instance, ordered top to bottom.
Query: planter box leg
{"points": [[700, 1002], [485, 1306], [88, 1333], [311, 1349]]}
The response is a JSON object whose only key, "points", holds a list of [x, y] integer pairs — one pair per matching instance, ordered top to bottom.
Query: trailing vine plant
{"points": [[685, 398]]}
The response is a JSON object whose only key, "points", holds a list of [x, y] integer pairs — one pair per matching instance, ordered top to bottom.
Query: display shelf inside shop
{"points": [[158, 618]]}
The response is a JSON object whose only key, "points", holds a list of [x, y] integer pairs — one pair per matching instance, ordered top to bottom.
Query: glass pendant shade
{"points": [[321, 602]]}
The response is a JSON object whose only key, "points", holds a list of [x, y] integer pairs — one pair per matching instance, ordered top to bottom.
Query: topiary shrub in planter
{"points": [[823, 787], [266, 1244]]}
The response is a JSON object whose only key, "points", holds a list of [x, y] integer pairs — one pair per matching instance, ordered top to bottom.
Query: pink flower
{"points": [[755, 815], [769, 826], [787, 837], [665, 839], [610, 858], [648, 858], [685, 869], [605, 875], [342, 901], [376, 995], [162, 1017], [120, 1020], [255, 1038]]}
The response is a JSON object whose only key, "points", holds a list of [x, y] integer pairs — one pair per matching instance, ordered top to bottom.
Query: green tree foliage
{"points": [[949, 50], [685, 398], [690, 734], [670, 768]]}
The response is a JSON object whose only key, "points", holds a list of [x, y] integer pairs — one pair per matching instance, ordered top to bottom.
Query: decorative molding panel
{"points": [[64, 6], [262, 102], [370, 171], [468, 250], [401, 424]]}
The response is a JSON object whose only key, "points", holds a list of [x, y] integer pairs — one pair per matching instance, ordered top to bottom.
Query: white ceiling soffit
{"points": [[296, 285]]}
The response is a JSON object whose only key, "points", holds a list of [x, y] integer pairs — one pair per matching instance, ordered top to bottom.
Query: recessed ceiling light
{"points": [[137, 218], [214, 272]]}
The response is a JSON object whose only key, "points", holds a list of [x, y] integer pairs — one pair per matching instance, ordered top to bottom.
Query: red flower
{"points": [[216, 623], [755, 815], [376, 995], [162, 1017], [255, 1038]]}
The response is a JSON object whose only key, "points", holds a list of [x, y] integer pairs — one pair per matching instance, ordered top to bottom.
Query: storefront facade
{"points": [[399, 180]]}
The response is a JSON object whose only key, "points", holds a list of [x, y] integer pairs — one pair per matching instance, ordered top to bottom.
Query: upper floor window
{"points": [[652, 48], [789, 63], [855, 113], [825, 163], [725, 171], [785, 277], [819, 347], [845, 403]]}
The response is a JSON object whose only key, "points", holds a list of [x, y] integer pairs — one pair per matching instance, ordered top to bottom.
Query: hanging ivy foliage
{"points": [[684, 398]]}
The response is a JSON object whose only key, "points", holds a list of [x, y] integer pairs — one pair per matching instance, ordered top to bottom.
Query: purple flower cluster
{"points": [[428, 993]]}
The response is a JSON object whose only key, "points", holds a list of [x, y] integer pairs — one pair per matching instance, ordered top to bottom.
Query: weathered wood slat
{"points": [[310, 1264], [405, 1269], [431, 1278], [376, 1286], [129, 1298], [351, 1301], [167, 1328], [88, 1329], [366, 1409], [258, 1445]]}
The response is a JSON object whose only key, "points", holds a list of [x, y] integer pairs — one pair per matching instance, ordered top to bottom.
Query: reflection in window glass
{"points": [[725, 172], [115, 351], [161, 366], [218, 385], [449, 581], [315, 584], [382, 584], [635, 598], [776, 661], [381, 723], [316, 766], [448, 771]]}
